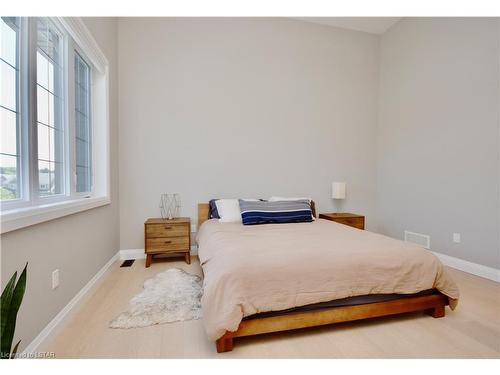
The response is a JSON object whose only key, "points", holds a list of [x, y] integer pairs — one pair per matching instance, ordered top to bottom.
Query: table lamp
{"points": [[338, 191]]}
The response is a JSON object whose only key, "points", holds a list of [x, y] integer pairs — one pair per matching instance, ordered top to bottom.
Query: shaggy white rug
{"points": [[171, 296]]}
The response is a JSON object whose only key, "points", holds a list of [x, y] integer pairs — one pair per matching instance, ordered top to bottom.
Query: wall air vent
{"points": [[418, 238]]}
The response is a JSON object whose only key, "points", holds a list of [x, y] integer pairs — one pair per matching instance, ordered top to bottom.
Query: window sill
{"points": [[24, 217]]}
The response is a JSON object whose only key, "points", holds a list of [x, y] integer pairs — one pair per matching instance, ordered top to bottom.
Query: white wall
{"points": [[243, 108], [438, 137], [78, 245]]}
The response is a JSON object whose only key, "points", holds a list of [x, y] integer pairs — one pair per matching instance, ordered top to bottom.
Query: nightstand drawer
{"points": [[167, 230], [167, 244]]}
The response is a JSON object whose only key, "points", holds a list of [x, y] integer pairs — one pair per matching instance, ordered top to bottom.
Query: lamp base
{"points": [[337, 205]]}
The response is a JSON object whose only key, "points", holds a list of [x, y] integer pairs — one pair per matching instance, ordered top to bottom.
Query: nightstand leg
{"points": [[187, 256], [149, 258]]}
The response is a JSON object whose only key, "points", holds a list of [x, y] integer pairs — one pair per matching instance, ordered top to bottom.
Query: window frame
{"points": [[72, 54], [22, 126], [38, 199], [31, 208]]}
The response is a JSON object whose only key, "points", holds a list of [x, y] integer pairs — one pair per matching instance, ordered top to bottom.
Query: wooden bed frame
{"points": [[433, 304]]}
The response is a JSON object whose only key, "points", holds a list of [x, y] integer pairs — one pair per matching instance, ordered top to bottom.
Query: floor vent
{"points": [[418, 238], [128, 263]]}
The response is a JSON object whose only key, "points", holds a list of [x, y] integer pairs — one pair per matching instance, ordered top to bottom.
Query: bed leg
{"points": [[436, 312], [224, 344]]}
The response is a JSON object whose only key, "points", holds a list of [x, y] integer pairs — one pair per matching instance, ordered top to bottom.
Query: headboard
{"points": [[204, 209]]}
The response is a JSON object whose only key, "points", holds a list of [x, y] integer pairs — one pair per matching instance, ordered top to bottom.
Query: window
{"points": [[54, 89], [49, 104], [83, 130], [10, 153]]}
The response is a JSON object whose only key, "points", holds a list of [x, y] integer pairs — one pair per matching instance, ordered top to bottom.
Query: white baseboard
{"points": [[139, 253], [132, 254], [460, 264], [469, 267], [49, 330]]}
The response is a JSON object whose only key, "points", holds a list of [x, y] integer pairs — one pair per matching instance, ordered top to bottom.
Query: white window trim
{"points": [[24, 217], [16, 218]]}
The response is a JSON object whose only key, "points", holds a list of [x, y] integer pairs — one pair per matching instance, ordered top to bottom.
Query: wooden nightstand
{"points": [[353, 220], [167, 236]]}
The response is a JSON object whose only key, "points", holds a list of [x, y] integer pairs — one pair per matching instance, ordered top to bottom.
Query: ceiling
{"points": [[373, 25]]}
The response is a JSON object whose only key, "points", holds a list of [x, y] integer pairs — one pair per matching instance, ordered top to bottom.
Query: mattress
{"points": [[343, 302]]}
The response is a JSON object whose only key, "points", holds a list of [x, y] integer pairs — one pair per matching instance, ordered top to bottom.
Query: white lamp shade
{"points": [[338, 190]]}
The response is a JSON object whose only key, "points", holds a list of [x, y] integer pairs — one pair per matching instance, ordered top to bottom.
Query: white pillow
{"points": [[229, 210]]}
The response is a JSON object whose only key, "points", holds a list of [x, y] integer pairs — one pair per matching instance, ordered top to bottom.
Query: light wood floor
{"points": [[471, 331]]}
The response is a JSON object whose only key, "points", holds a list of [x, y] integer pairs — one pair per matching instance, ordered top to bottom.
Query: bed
{"points": [[276, 277]]}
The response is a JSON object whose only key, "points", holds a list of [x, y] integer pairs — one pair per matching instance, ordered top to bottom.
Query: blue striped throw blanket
{"points": [[275, 212]]}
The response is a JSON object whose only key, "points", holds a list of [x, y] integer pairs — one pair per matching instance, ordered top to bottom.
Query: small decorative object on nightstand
{"points": [[170, 205], [353, 220], [163, 236]]}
